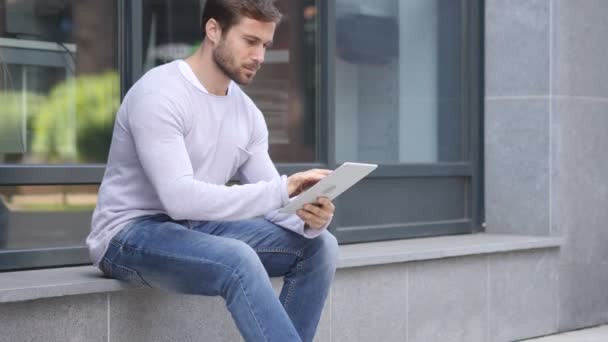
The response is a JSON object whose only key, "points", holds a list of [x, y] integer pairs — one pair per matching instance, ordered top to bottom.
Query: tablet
{"points": [[332, 185]]}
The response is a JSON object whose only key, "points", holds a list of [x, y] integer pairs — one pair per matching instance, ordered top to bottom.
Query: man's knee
{"points": [[326, 248], [242, 257], [245, 265]]}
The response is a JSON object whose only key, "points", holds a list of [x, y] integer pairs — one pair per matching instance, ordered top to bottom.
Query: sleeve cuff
{"points": [[284, 194], [312, 233]]}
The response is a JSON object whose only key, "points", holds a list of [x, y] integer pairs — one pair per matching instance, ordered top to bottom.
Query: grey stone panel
{"points": [[517, 47], [580, 48], [517, 166], [580, 187], [580, 214], [523, 295], [583, 295], [447, 300], [369, 304], [151, 315], [172, 317], [71, 318]]}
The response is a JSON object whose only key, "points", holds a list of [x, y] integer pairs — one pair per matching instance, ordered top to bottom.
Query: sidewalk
{"points": [[596, 334]]}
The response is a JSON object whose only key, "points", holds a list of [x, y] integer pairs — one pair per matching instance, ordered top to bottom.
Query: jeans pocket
{"points": [[124, 273]]}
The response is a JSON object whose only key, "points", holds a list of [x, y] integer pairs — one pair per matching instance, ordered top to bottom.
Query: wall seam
{"points": [[527, 97], [545, 97], [582, 98], [550, 117], [551, 161], [488, 297], [407, 302], [331, 310], [108, 315]]}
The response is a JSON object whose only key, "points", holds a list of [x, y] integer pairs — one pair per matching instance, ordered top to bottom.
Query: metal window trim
{"points": [[130, 13], [475, 57], [472, 169], [51, 174], [395, 231], [44, 257]]}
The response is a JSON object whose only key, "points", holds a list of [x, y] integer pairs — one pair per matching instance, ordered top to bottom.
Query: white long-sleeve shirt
{"points": [[175, 146]]}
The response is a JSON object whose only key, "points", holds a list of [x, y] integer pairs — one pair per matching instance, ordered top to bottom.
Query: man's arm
{"points": [[158, 132], [259, 167]]}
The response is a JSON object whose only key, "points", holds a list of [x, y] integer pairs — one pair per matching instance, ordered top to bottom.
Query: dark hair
{"points": [[229, 12]]}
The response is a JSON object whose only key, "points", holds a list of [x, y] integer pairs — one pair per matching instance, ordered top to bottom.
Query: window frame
{"points": [[131, 68], [471, 171], [68, 174]]}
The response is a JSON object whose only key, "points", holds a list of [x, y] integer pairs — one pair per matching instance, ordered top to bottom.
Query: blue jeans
{"points": [[233, 259]]}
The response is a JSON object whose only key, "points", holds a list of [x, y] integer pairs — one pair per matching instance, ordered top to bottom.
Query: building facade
{"points": [[475, 228]]}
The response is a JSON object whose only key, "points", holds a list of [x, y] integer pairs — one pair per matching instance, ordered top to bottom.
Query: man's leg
{"points": [[164, 254], [308, 265]]}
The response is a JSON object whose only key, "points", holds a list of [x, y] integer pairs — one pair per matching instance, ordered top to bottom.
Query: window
{"points": [[391, 82], [60, 85], [286, 87], [59, 89], [406, 96]]}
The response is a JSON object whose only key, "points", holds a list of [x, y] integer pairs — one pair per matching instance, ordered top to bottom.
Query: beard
{"points": [[224, 60]]}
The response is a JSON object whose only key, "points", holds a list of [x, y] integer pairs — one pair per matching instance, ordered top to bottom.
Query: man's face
{"points": [[240, 51]]}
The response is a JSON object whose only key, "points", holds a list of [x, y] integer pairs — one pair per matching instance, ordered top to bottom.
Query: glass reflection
{"points": [[398, 72], [59, 84], [285, 89], [45, 216]]}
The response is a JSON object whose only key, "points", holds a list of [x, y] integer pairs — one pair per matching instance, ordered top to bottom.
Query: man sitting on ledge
{"points": [[164, 216]]}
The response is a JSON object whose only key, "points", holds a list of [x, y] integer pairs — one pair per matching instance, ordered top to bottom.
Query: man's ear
{"points": [[213, 31]]}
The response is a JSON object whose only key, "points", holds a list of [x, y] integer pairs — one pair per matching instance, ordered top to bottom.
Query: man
{"points": [[164, 216]]}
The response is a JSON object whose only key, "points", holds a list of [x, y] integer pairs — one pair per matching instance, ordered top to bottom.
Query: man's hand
{"points": [[298, 182], [316, 215]]}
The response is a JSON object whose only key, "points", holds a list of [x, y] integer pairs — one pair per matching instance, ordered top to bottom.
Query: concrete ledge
{"points": [[387, 252], [55, 282], [29, 285], [594, 334]]}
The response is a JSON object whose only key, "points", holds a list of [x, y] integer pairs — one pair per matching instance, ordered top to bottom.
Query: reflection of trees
{"points": [[14, 105], [16, 110], [75, 123]]}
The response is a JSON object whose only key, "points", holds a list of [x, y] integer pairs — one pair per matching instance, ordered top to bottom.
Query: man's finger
{"points": [[322, 171], [327, 204], [321, 212], [311, 219], [316, 223]]}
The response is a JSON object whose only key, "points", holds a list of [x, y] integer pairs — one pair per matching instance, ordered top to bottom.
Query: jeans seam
{"points": [[278, 250], [299, 254], [111, 257], [299, 266], [131, 270], [292, 284]]}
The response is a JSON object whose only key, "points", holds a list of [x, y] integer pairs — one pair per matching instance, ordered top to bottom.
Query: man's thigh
{"points": [[279, 249], [163, 253]]}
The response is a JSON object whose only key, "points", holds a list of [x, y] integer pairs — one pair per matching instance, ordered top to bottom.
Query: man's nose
{"points": [[258, 55]]}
